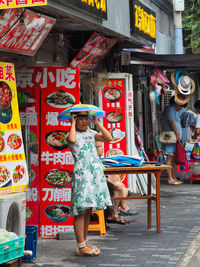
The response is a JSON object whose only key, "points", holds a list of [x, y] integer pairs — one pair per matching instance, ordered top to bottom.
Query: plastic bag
{"points": [[196, 151], [180, 154], [4, 236]]}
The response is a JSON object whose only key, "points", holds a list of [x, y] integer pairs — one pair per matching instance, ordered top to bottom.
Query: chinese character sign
{"points": [[6, 4], [23, 38], [96, 48], [60, 89], [113, 103], [29, 107], [13, 169]]}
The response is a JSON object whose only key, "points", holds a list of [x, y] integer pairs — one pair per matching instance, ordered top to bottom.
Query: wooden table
{"points": [[149, 170]]}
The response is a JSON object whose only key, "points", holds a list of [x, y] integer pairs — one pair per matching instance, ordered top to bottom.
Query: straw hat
{"points": [[175, 75], [186, 85], [181, 99]]}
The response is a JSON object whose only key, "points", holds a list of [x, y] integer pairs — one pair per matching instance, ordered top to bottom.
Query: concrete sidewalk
{"points": [[133, 244]]}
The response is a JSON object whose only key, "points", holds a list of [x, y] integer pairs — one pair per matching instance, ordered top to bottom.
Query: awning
{"points": [[191, 62]]}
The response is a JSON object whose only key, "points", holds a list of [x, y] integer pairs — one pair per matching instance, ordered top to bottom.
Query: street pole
{"points": [[178, 7]]}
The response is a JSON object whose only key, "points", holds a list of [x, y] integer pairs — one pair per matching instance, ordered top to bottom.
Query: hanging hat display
{"points": [[175, 75], [186, 85], [181, 99]]}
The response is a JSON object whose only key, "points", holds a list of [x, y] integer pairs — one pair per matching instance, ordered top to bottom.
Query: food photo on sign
{"points": [[13, 169]]}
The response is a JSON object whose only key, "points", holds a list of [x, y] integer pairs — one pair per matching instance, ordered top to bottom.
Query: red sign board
{"points": [[24, 38], [96, 48], [60, 88], [28, 99], [113, 103]]}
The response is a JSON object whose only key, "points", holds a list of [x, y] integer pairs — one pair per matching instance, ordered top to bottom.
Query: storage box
{"points": [[30, 242], [12, 249]]}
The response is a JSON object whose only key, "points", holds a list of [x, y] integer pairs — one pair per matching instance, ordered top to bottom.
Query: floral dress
{"points": [[89, 187]]}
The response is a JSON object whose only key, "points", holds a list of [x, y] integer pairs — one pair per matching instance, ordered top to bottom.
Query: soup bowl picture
{"points": [[112, 94], [5, 95], [114, 117], [57, 140], [14, 141], [58, 178], [58, 213]]}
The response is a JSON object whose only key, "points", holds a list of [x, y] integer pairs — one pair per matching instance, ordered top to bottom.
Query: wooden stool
{"points": [[98, 225], [13, 263]]}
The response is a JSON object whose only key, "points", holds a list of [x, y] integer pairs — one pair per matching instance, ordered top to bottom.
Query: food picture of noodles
{"points": [[112, 94], [5, 95], [60, 99], [114, 116], [57, 140], [14, 141], [2, 144], [114, 152], [19, 173], [4, 175], [58, 178], [58, 213]]}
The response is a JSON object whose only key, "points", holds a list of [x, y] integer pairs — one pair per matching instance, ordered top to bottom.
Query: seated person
{"points": [[117, 189]]}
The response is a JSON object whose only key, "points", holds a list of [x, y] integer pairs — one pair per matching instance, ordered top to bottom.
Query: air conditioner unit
{"points": [[13, 212]]}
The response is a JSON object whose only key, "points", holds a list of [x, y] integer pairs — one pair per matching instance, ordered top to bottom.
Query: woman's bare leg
{"points": [[169, 162], [174, 169], [174, 172], [121, 191], [87, 222], [79, 229]]}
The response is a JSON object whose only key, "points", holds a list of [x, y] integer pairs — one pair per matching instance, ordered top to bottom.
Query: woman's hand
{"points": [[73, 119], [94, 119], [178, 138]]}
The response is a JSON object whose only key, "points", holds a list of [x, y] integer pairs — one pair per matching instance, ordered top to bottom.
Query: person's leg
{"points": [[169, 162], [171, 171], [174, 172], [119, 192], [87, 222], [79, 229]]}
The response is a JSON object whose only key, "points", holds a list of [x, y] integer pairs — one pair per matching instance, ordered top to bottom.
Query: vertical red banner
{"points": [[60, 89], [29, 102], [113, 103]]}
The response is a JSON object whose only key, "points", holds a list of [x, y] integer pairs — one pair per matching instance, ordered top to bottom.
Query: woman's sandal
{"points": [[173, 182], [180, 182], [117, 220], [93, 251]]}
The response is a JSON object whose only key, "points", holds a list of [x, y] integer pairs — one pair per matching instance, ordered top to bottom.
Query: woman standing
{"points": [[172, 122]]}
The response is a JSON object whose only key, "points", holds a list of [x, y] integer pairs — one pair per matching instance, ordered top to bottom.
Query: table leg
{"points": [[149, 200], [158, 200]]}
